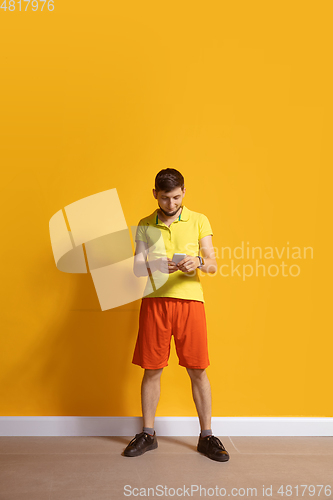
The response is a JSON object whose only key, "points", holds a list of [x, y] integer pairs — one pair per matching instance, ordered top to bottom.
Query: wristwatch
{"points": [[202, 262]]}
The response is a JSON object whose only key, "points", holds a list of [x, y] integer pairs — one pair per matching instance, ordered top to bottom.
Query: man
{"points": [[175, 307]]}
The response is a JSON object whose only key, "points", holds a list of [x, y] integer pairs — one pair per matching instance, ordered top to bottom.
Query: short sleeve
{"points": [[204, 227], [141, 232]]}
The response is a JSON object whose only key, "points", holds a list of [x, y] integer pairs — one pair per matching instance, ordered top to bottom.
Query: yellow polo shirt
{"points": [[182, 236]]}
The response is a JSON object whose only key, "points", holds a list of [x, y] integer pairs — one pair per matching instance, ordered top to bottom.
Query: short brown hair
{"points": [[168, 179]]}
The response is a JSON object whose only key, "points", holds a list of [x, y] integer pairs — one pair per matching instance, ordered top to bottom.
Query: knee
{"points": [[152, 374], [196, 374]]}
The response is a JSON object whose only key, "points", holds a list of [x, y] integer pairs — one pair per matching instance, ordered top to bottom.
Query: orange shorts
{"points": [[162, 317]]}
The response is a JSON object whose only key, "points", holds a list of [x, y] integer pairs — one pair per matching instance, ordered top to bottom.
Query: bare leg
{"points": [[150, 395], [202, 396]]}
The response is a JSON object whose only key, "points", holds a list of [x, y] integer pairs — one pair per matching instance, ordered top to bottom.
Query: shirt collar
{"points": [[184, 216]]}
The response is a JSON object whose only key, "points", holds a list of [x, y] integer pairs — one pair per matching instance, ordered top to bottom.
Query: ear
{"points": [[154, 194]]}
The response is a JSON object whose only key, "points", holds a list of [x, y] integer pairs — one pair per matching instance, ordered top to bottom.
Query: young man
{"points": [[176, 307]]}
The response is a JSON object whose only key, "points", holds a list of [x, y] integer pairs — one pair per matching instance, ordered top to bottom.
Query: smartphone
{"points": [[177, 257]]}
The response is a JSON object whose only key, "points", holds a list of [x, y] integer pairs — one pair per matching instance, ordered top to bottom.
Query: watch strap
{"points": [[201, 261]]}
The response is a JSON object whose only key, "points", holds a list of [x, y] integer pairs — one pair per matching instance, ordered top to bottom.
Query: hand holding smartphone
{"points": [[177, 257]]}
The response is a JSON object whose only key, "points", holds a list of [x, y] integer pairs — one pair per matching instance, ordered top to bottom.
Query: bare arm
{"points": [[208, 254], [140, 259], [142, 267]]}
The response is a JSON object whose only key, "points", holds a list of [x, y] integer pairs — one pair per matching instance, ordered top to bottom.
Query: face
{"points": [[171, 202]]}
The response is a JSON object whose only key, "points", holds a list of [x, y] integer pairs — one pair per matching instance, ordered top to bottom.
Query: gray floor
{"points": [[93, 468]]}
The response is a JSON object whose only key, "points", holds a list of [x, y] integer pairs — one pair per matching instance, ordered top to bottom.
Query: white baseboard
{"points": [[164, 426]]}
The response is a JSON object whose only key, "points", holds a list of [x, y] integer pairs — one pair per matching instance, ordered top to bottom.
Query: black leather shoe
{"points": [[140, 444], [212, 447]]}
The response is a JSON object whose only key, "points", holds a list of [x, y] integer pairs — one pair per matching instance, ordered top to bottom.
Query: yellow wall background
{"points": [[238, 97]]}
